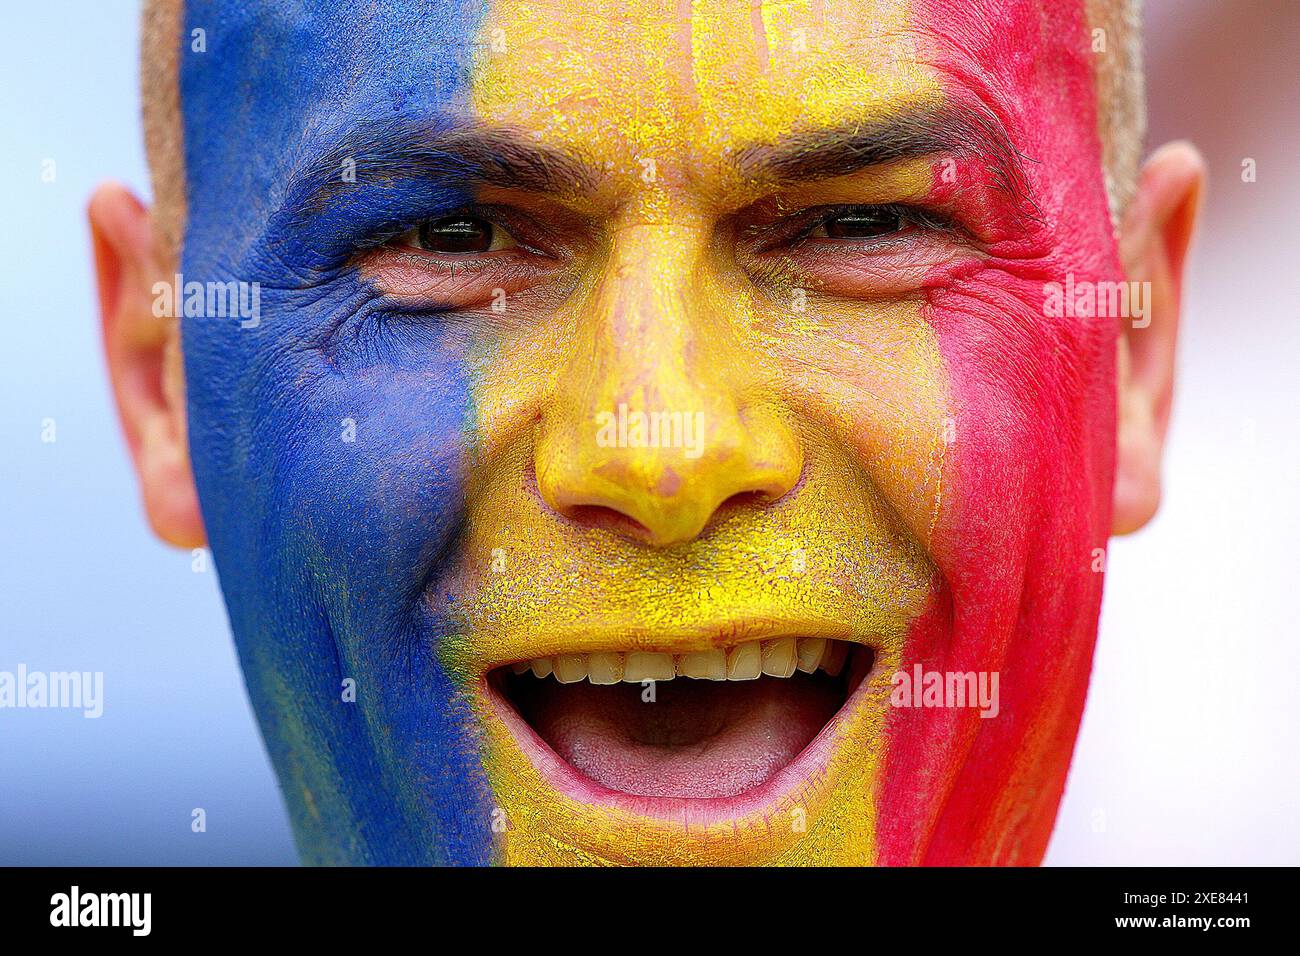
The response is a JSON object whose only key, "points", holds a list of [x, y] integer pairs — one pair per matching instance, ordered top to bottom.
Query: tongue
{"points": [[697, 738]]}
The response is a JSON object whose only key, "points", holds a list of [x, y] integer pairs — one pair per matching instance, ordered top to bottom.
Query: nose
{"points": [[659, 418]]}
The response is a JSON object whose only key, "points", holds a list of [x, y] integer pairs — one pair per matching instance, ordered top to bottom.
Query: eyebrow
{"points": [[954, 130], [469, 153], [466, 154]]}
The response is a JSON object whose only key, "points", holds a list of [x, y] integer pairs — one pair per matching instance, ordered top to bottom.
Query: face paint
{"points": [[658, 285], [329, 449], [1030, 477], [401, 481]]}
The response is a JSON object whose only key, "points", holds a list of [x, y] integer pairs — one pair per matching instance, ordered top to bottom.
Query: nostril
{"points": [[741, 501], [601, 518]]}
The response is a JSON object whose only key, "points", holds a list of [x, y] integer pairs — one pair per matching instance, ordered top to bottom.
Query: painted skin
{"points": [[897, 412]]}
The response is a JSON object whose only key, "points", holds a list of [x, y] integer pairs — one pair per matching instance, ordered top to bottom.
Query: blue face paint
{"points": [[329, 436]]}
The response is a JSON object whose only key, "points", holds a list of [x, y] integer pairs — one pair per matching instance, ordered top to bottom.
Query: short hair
{"points": [[1117, 45], [1121, 96], [160, 102]]}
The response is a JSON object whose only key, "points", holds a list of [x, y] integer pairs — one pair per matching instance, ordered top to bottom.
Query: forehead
{"points": [[626, 79], [678, 80]]}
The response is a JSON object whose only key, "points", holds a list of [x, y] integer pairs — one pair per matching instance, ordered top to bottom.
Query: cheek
{"points": [[872, 377], [1033, 392], [1033, 418], [369, 469], [333, 474], [1026, 485]]}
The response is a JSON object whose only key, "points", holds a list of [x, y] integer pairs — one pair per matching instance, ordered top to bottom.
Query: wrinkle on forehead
{"points": [[743, 55], [684, 84]]}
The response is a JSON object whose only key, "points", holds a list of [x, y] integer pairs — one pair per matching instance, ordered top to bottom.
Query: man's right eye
{"points": [[459, 235], [464, 259]]}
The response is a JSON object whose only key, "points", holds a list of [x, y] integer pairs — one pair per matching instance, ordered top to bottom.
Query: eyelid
{"points": [[796, 228]]}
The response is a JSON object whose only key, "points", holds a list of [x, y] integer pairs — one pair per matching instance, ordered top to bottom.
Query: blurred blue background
{"points": [[1187, 753]]}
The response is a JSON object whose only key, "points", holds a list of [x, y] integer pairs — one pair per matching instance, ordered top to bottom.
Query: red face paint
{"points": [[1030, 469]]}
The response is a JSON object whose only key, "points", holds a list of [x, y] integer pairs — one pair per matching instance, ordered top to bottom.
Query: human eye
{"points": [[460, 234], [855, 250], [465, 259]]}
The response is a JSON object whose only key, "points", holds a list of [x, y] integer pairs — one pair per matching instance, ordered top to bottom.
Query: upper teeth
{"points": [[780, 657]]}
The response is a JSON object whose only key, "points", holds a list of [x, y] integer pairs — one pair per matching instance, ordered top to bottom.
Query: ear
{"points": [[1154, 238], [144, 361]]}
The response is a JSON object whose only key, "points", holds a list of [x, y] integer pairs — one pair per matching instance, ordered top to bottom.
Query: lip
{"points": [[803, 778]]}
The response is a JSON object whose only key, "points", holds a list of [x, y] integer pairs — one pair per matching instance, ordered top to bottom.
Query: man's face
{"points": [[617, 341]]}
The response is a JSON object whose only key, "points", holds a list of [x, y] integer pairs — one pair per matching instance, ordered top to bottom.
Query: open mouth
{"points": [[714, 724]]}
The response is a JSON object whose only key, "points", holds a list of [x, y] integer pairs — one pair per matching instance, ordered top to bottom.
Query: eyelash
{"points": [[798, 228], [794, 230]]}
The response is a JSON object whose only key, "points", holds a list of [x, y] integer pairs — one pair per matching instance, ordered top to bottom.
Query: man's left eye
{"points": [[859, 224], [459, 235]]}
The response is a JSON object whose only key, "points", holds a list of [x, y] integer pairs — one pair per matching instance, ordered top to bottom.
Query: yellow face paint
{"points": [[851, 396], [832, 564]]}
